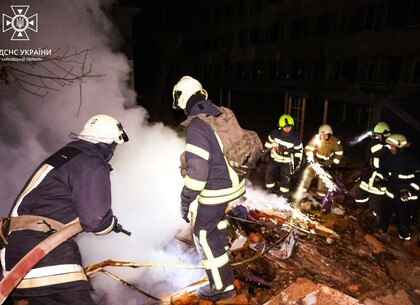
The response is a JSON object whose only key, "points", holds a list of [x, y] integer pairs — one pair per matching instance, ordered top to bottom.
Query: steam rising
{"points": [[145, 181]]}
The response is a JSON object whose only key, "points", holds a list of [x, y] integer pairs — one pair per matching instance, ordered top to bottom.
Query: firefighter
{"points": [[326, 150], [285, 151], [400, 171], [72, 183], [214, 184], [366, 190]]}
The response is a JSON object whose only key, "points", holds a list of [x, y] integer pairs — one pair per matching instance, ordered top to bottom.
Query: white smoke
{"points": [[145, 181]]}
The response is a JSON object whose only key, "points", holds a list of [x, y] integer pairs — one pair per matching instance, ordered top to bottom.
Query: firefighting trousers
{"points": [[279, 172], [308, 176], [365, 199], [404, 212], [211, 239], [81, 297]]}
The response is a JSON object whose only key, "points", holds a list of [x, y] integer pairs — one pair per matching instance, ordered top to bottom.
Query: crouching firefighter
{"points": [[74, 183], [214, 183]]}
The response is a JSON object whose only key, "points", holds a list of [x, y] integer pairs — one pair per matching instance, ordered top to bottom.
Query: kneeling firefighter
{"points": [[214, 183]]}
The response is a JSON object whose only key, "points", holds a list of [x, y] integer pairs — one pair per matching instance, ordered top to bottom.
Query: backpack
{"points": [[242, 148]]}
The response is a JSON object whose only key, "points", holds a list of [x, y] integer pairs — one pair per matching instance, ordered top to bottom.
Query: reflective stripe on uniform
{"points": [[375, 148], [197, 151], [232, 174], [406, 177], [35, 181], [193, 184], [284, 189], [371, 189], [222, 195], [222, 224], [212, 263], [52, 275], [52, 280]]}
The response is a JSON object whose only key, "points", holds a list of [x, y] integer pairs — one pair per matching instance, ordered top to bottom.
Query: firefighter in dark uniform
{"points": [[326, 150], [286, 151], [400, 170], [214, 184], [79, 187], [366, 191]]}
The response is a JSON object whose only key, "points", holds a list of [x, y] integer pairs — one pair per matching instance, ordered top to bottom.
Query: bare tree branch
{"points": [[44, 74]]}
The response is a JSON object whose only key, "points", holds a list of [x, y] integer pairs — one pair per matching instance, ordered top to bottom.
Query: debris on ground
{"points": [[302, 256]]}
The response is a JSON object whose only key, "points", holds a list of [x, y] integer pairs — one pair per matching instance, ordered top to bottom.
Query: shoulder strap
{"points": [[62, 156]]}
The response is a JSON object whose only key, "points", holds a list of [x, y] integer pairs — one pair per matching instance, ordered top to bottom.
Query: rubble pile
{"points": [[306, 257]]}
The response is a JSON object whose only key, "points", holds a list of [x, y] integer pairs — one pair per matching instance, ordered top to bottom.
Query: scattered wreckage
{"points": [[300, 255]]}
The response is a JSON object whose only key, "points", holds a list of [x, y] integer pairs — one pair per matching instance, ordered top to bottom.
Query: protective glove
{"points": [[184, 207]]}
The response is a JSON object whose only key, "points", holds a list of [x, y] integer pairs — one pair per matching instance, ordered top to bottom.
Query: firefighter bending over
{"points": [[326, 150], [285, 151], [211, 180], [72, 183]]}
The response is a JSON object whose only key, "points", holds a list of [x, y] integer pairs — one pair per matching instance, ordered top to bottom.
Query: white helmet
{"points": [[184, 89], [102, 128], [325, 129], [398, 140]]}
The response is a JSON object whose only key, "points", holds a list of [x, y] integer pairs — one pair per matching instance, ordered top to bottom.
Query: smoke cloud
{"points": [[145, 181]]}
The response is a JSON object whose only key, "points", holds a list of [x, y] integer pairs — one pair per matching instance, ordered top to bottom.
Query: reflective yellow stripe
{"points": [[284, 143], [376, 148], [197, 151], [339, 153], [279, 158], [336, 161], [376, 162], [232, 174], [401, 176], [35, 181], [193, 184], [270, 185], [414, 186], [284, 189], [371, 189], [389, 194], [222, 195], [362, 200], [222, 225], [209, 255], [216, 262], [52, 280]]}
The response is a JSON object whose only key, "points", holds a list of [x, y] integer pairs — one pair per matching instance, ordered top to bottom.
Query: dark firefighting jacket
{"points": [[284, 145], [401, 174], [209, 178], [369, 182], [79, 188]]}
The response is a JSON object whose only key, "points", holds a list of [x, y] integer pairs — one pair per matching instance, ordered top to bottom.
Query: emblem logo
{"points": [[20, 23]]}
